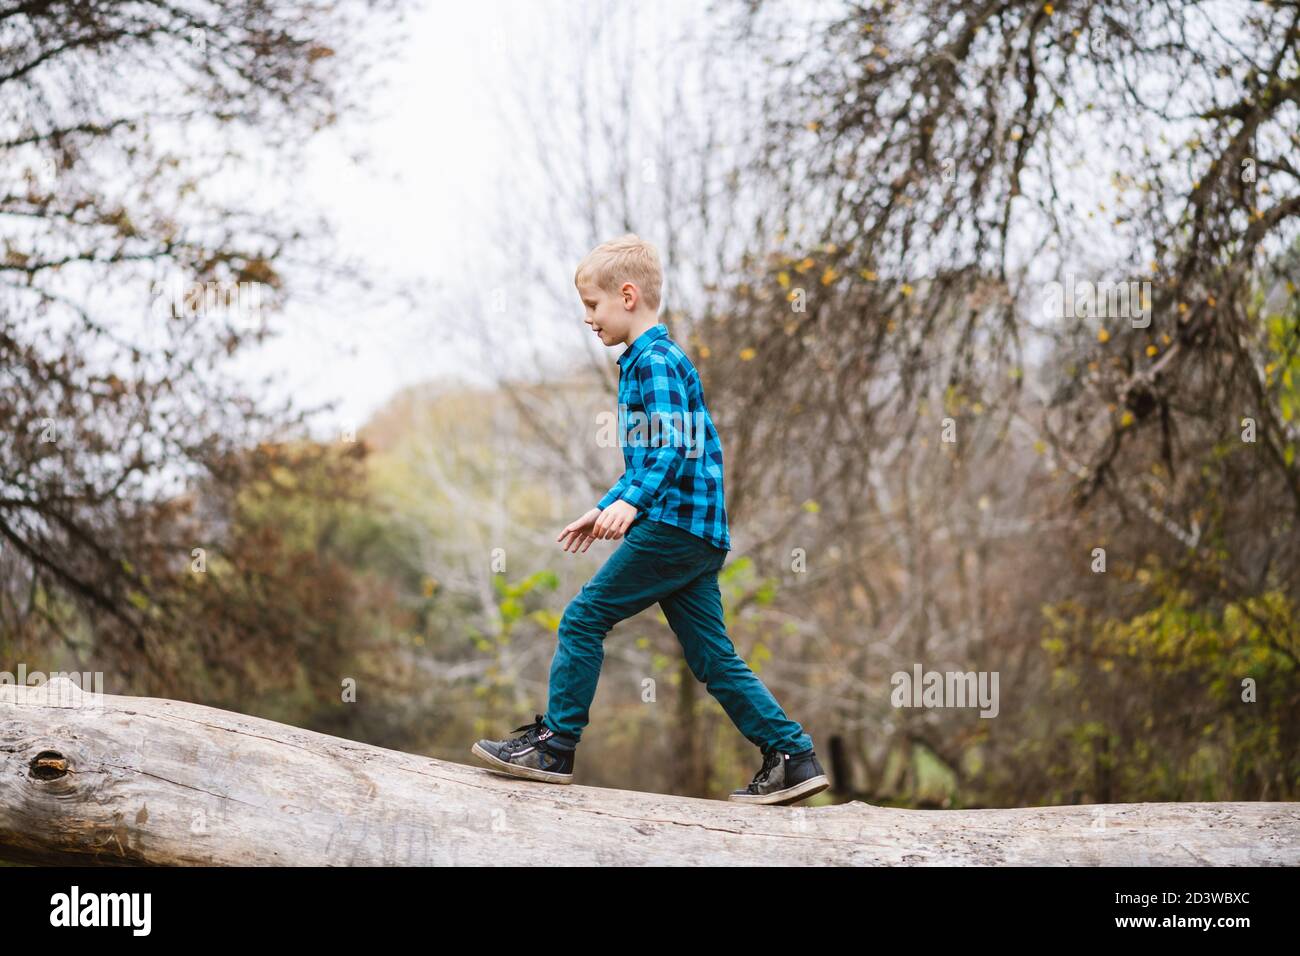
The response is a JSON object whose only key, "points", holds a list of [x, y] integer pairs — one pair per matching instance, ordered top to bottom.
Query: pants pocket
{"points": [[671, 554], [669, 568]]}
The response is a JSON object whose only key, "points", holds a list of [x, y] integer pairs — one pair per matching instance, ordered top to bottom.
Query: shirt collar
{"points": [[642, 342]]}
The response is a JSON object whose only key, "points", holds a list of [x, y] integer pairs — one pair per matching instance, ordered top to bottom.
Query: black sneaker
{"points": [[539, 754], [784, 778]]}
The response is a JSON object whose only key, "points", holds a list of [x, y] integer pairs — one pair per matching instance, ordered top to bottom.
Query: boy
{"points": [[668, 509]]}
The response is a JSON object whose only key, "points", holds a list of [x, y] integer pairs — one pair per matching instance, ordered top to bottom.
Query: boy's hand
{"points": [[613, 521], [579, 532]]}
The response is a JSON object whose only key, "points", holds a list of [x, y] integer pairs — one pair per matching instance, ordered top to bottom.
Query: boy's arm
{"points": [[664, 393], [614, 492]]}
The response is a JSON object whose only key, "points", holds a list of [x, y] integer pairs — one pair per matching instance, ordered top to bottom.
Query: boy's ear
{"points": [[630, 294]]}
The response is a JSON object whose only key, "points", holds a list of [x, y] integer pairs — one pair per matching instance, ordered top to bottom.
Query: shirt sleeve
{"points": [[664, 393], [615, 491]]}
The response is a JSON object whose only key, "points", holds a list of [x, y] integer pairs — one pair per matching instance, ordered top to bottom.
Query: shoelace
{"points": [[528, 738], [770, 761]]}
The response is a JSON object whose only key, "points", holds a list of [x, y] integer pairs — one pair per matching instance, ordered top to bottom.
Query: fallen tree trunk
{"points": [[98, 779]]}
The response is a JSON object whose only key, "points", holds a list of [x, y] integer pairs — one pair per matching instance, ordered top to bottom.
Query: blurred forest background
{"points": [[861, 208]]}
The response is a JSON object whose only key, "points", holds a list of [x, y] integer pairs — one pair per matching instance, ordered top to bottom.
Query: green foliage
{"points": [[1282, 368], [738, 580], [514, 607], [1167, 713]]}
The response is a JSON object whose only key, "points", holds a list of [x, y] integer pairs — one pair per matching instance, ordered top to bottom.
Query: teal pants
{"points": [[661, 562]]}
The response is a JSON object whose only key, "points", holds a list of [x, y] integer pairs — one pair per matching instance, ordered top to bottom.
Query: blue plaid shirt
{"points": [[671, 450]]}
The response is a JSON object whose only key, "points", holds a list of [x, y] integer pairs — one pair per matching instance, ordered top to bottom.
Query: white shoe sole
{"points": [[496, 763], [800, 790]]}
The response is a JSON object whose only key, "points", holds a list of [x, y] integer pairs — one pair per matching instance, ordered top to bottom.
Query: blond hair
{"points": [[629, 258]]}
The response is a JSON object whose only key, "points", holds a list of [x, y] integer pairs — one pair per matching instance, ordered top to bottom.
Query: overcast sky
{"points": [[442, 183], [416, 206], [403, 207]]}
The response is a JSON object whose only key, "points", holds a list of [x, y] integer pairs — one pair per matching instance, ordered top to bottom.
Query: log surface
{"points": [[107, 780]]}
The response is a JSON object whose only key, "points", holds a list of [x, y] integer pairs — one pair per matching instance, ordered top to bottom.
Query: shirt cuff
{"points": [[637, 498]]}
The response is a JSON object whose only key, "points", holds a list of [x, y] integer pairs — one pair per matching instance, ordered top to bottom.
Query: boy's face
{"points": [[609, 315]]}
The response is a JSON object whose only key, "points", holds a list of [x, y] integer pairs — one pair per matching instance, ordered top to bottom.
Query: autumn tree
{"points": [[145, 242]]}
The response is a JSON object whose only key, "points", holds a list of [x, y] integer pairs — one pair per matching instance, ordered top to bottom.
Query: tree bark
{"points": [[100, 779]]}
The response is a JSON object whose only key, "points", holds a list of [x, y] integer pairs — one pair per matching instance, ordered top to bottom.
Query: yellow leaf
{"points": [[829, 276], [784, 279], [907, 289], [1103, 335], [747, 354]]}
